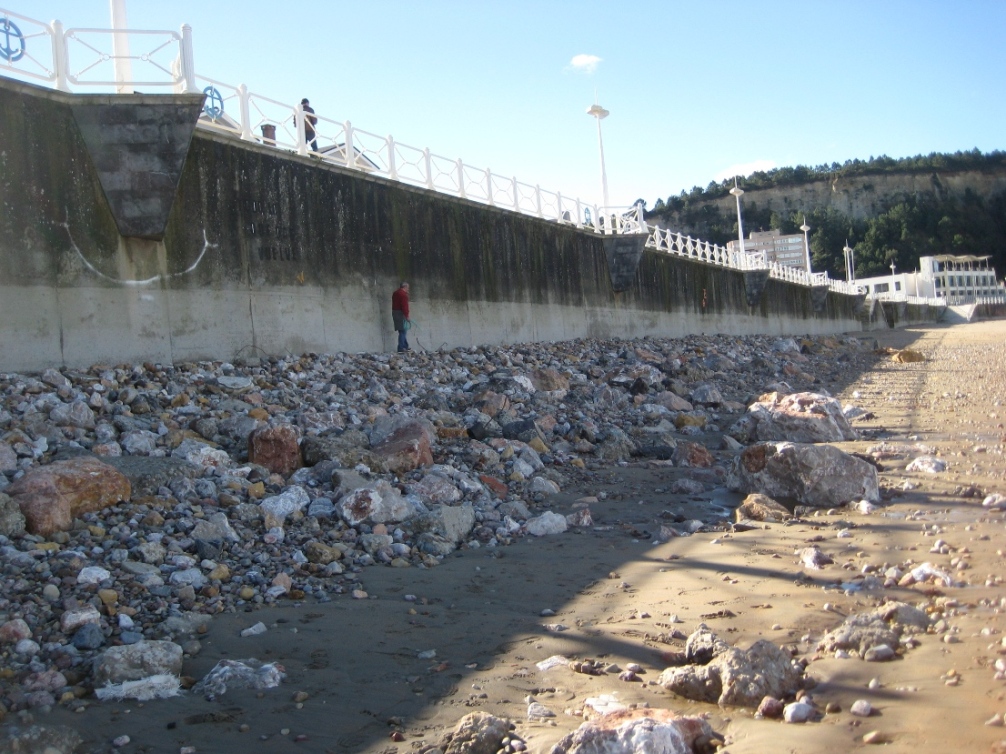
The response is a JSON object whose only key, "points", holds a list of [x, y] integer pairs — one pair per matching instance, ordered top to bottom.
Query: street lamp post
{"points": [[121, 61], [600, 113], [737, 192], [806, 244], [850, 263], [893, 283]]}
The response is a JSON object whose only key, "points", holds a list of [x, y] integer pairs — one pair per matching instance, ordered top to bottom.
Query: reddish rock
{"points": [[549, 380], [276, 448], [407, 448], [693, 454], [498, 488], [50, 497], [758, 507], [14, 631], [770, 707]]}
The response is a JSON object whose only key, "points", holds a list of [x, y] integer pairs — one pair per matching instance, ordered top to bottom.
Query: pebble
{"points": [[861, 708], [797, 712]]}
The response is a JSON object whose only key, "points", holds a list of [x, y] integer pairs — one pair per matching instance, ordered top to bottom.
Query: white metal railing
{"points": [[92, 50], [83, 58], [898, 296]]}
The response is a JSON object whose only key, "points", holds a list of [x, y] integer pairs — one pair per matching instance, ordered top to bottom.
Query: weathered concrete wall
{"points": [[266, 252], [886, 315]]}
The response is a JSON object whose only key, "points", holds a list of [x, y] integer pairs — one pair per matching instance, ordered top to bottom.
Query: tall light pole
{"points": [[121, 62], [600, 113], [737, 192], [806, 244], [850, 263], [893, 283]]}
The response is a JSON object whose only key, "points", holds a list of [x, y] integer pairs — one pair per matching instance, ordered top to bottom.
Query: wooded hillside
{"points": [[888, 210]]}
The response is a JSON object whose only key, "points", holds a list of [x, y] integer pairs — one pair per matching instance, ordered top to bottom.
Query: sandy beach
{"points": [[396, 671]]}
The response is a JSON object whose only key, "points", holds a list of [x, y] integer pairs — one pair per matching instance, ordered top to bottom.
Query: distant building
{"points": [[786, 250], [957, 279]]}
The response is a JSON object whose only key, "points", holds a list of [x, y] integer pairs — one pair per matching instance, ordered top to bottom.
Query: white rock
{"points": [[927, 464], [546, 523], [92, 575], [861, 708], [797, 712]]}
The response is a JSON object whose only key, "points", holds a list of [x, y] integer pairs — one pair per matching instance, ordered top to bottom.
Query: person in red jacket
{"points": [[400, 315]]}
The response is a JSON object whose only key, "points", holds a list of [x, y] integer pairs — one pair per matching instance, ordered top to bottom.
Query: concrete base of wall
{"points": [[77, 327]]}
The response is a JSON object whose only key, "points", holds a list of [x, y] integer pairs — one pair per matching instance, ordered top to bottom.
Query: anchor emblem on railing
{"points": [[12, 46], [214, 106]]}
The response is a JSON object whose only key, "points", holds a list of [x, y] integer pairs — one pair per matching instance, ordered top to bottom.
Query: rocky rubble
{"points": [[134, 497]]}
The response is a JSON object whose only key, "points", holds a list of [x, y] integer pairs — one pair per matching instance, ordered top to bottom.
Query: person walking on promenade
{"points": [[310, 121], [400, 315]]}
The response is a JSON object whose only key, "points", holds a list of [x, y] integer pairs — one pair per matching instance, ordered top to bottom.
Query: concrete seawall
{"points": [[266, 252]]}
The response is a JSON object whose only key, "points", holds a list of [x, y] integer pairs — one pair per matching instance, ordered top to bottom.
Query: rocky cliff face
{"points": [[865, 196]]}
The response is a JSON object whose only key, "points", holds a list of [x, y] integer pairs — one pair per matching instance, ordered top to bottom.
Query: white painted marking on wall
{"points": [[148, 281]]}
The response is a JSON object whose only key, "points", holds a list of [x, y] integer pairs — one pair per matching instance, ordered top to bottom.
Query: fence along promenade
{"points": [[78, 58]]}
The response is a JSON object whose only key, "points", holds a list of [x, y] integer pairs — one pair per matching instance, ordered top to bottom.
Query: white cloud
{"points": [[584, 63], [744, 169]]}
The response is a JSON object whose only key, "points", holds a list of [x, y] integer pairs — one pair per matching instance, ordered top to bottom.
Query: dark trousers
{"points": [[403, 343]]}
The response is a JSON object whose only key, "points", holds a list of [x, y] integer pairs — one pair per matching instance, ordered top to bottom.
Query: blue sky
{"points": [[697, 90]]}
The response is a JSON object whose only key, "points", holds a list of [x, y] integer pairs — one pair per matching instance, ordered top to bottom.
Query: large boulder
{"points": [[549, 380], [798, 417], [407, 446], [276, 448], [347, 449], [147, 475], [820, 476], [436, 488], [51, 496], [378, 503], [758, 507], [450, 522], [881, 626], [131, 662], [741, 677], [639, 731], [477, 733]]}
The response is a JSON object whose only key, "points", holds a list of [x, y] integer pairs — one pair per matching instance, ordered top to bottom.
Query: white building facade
{"points": [[786, 250], [955, 279]]}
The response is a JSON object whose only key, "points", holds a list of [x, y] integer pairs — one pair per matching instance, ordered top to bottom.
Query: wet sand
{"points": [[622, 599]]}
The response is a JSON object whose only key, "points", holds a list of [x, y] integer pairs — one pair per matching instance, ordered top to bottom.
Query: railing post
{"points": [[59, 56], [187, 59], [245, 111], [298, 119], [350, 149], [428, 166], [392, 169], [461, 180], [489, 187], [516, 195], [537, 199], [558, 206], [579, 216], [639, 217]]}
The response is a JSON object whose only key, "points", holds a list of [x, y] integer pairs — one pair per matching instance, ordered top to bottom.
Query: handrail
{"points": [[236, 111]]}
